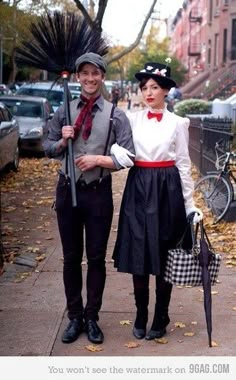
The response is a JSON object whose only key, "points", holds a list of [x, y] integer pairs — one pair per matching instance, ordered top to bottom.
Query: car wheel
{"points": [[15, 163]]}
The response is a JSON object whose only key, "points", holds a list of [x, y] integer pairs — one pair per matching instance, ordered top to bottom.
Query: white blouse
{"points": [[164, 140]]}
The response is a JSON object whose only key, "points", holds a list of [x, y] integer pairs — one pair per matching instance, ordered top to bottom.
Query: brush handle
{"points": [[70, 145], [72, 172]]}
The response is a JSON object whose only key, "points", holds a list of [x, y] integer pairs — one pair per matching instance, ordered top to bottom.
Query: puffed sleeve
{"points": [[183, 161]]}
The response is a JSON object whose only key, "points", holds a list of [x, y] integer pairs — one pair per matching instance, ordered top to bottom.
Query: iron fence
{"points": [[204, 132]]}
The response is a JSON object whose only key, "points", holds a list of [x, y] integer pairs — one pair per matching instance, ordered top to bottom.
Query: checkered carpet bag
{"points": [[183, 267]]}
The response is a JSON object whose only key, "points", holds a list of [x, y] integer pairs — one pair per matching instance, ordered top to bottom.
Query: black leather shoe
{"points": [[73, 330], [139, 333], [95, 334], [155, 334]]}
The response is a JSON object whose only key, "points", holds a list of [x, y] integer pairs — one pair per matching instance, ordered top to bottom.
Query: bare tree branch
{"points": [[101, 10], [84, 12], [98, 22], [136, 42]]}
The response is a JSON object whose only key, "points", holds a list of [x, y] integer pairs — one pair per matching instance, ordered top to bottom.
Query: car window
{"points": [[54, 97], [24, 108], [5, 114]]}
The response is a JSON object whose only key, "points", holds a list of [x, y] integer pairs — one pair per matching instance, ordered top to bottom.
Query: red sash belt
{"points": [[154, 164]]}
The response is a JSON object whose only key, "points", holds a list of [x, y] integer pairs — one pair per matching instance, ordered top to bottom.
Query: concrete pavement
{"points": [[33, 316]]}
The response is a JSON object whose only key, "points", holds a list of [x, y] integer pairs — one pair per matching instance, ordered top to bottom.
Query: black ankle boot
{"points": [[141, 301], [139, 329], [158, 329]]}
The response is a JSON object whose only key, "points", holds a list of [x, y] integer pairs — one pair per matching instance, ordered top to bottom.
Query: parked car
{"points": [[4, 89], [75, 89], [53, 92], [32, 114], [9, 139]]}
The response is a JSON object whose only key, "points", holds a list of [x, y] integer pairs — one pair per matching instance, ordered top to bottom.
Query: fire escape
{"points": [[194, 47]]}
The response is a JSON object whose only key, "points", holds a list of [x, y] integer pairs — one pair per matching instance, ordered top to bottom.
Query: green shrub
{"points": [[192, 107]]}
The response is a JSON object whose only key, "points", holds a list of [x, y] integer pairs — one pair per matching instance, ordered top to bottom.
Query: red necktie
{"points": [[157, 115]]}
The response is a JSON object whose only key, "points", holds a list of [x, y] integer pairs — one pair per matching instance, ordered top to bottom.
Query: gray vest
{"points": [[96, 142]]}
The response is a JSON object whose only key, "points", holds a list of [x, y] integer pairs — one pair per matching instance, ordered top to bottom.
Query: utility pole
{"points": [[2, 39], [1, 55]]}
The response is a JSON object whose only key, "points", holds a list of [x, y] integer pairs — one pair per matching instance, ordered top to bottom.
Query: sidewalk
{"points": [[32, 312]]}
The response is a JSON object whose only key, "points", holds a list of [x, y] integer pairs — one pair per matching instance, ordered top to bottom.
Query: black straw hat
{"points": [[157, 71]]}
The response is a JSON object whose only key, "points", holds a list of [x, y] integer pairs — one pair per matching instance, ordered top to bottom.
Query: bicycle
{"points": [[216, 188]]}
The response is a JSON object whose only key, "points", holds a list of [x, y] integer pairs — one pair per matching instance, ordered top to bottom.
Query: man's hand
{"points": [[67, 133], [86, 162]]}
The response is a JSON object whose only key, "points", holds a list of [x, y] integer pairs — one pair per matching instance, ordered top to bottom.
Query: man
{"points": [[90, 115]]}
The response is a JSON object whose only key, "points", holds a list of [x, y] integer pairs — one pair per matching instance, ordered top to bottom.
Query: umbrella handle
{"points": [[70, 145]]}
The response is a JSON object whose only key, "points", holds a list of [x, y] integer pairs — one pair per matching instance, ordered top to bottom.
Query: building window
{"points": [[233, 44], [225, 45]]}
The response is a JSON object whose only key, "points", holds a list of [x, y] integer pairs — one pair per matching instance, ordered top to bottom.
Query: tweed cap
{"points": [[93, 58]]}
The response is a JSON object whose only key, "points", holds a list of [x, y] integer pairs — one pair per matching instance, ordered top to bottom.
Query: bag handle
{"points": [[188, 225], [194, 233], [203, 234]]}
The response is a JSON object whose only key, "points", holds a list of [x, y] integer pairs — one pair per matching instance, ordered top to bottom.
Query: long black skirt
{"points": [[152, 220]]}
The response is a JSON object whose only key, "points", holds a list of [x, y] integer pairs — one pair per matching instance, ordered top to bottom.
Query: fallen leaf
{"points": [[10, 209], [41, 257], [214, 292], [234, 308], [125, 322], [194, 323], [180, 325], [189, 334], [161, 340], [180, 341], [132, 344], [214, 344], [93, 348]]}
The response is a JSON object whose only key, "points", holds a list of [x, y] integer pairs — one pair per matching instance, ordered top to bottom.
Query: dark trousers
{"points": [[90, 221]]}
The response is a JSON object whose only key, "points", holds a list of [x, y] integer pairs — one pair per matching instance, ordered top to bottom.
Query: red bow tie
{"points": [[158, 115]]}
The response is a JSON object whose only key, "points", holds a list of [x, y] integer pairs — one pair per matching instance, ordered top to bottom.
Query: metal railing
{"points": [[204, 132]]}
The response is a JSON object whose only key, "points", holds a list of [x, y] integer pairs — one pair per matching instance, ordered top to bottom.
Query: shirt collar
{"points": [[99, 102]]}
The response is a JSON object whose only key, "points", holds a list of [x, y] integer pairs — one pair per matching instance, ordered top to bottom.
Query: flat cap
{"points": [[93, 58]]}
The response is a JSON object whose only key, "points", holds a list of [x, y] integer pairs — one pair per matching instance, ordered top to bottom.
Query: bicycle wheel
{"points": [[216, 193]]}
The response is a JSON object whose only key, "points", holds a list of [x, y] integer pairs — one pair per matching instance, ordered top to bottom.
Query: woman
{"points": [[157, 199]]}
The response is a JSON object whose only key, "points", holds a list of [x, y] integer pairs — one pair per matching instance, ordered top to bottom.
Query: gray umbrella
{"points": [[205, 257]]}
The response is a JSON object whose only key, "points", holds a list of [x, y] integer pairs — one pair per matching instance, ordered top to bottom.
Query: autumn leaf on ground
{"points": [[10, 209], [33, 249], [41, 257], [234, 308], [125, 322], [194, 323], [180, 325], [189, 334], [161, 340], [132, 344], [214, 344], [93, 348]]}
